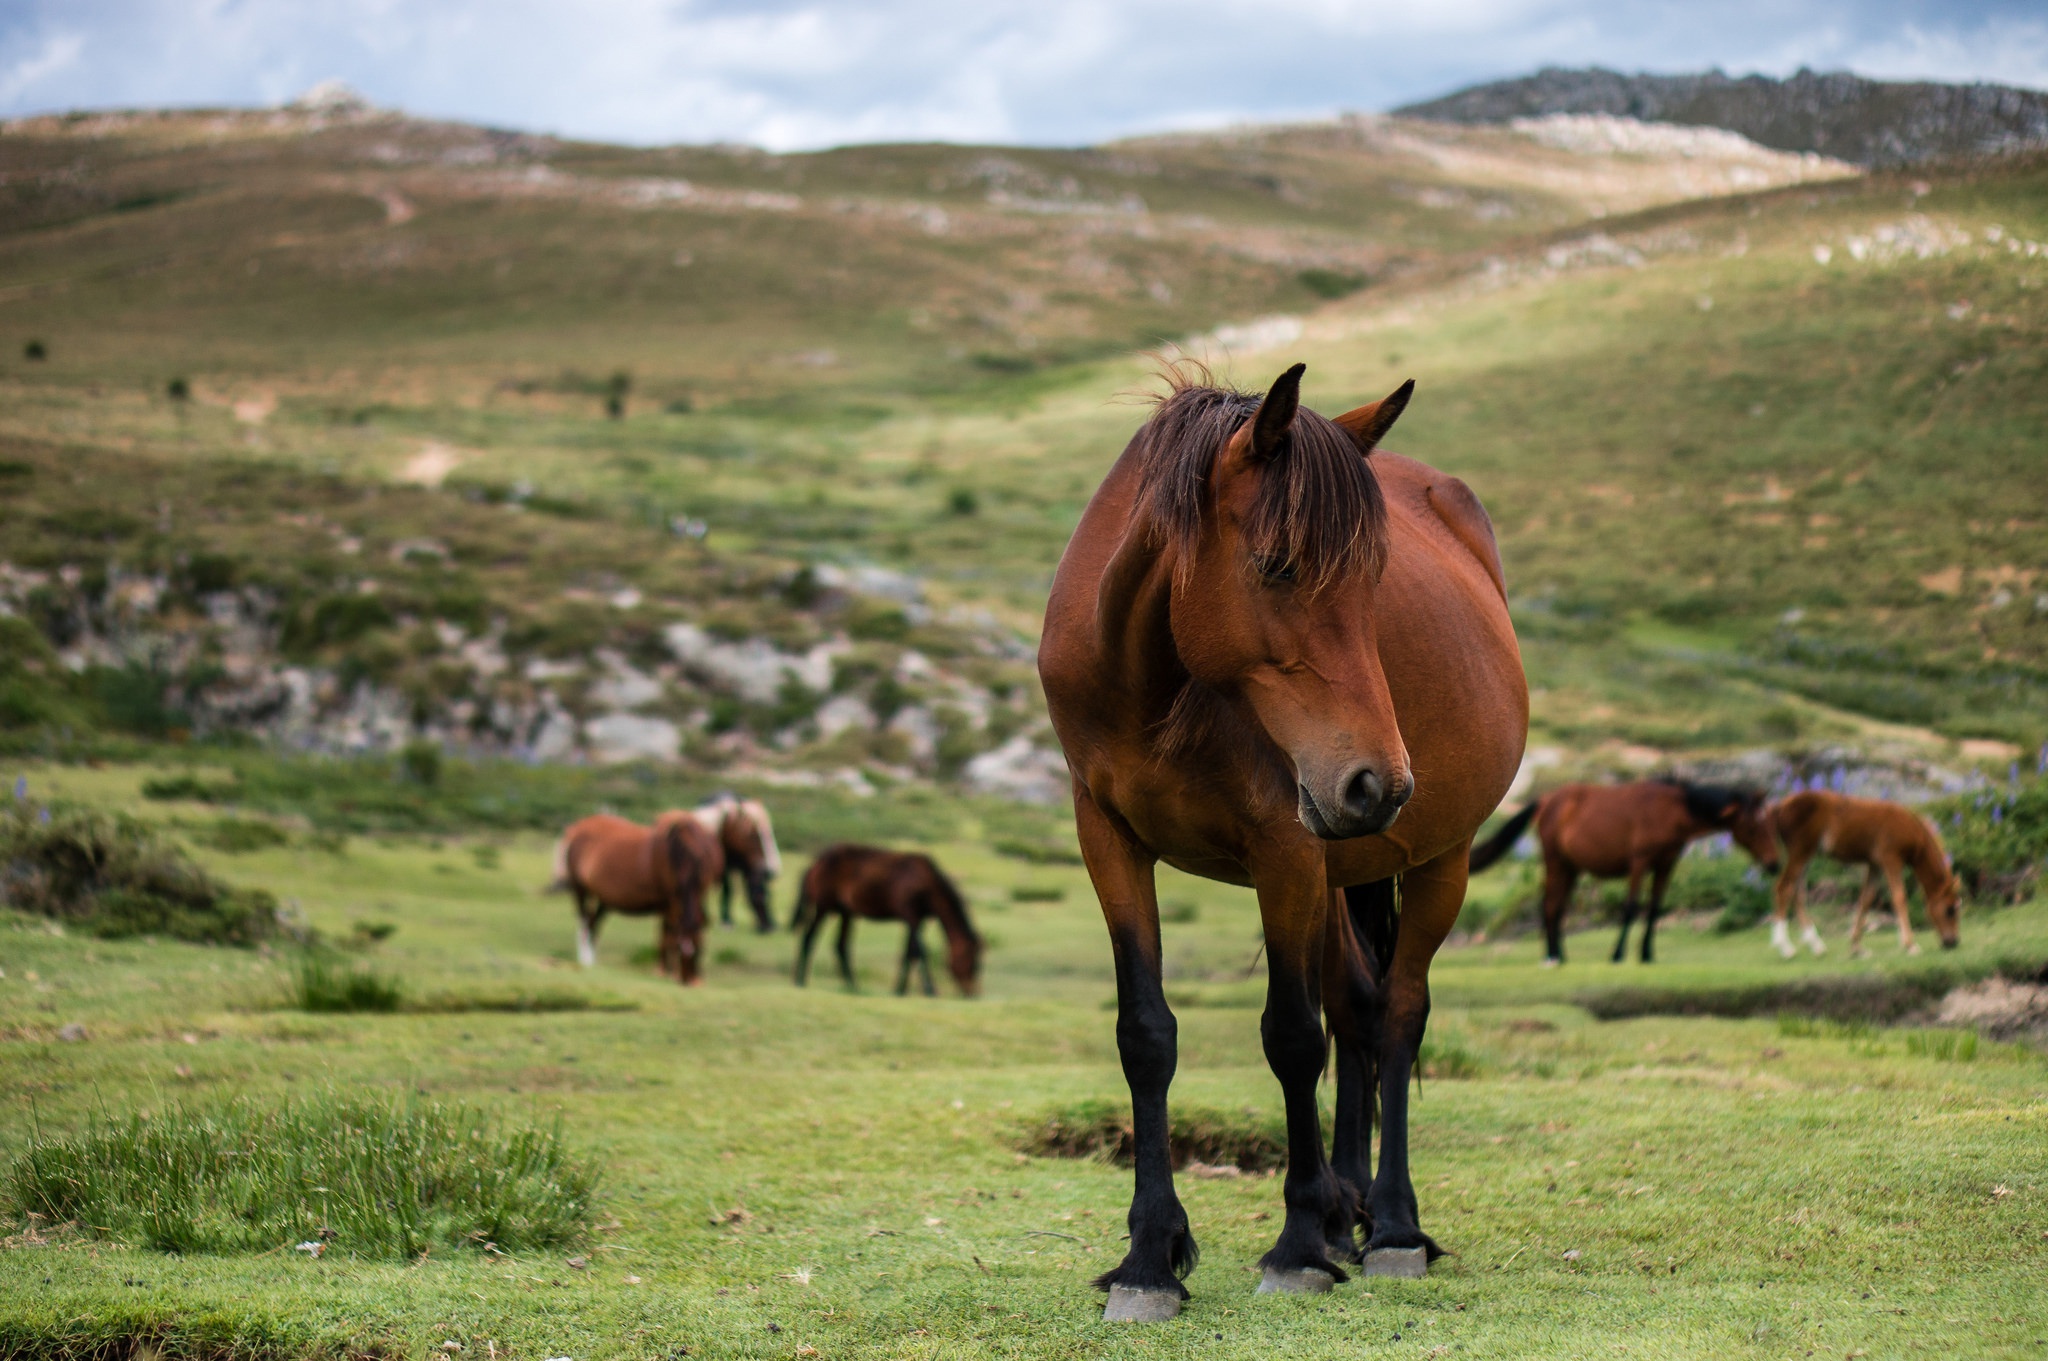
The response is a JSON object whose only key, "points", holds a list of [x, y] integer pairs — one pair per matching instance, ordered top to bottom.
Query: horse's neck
{"points": [[1134, 608]]}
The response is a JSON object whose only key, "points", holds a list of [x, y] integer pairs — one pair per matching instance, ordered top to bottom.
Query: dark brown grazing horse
{"points": [[1251, 599], [1612, 831], [747, 837], [1883, 838], [611, 865], [866, 881]]}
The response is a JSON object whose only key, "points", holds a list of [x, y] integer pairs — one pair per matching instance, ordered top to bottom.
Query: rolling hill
{"points": [[317, 444]]}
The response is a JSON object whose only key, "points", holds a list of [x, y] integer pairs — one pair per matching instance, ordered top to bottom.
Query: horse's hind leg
{"points": [[1559, 879], [1660, 881], [1628, 910], [586, 930], [803, 949], [1351, 997]]}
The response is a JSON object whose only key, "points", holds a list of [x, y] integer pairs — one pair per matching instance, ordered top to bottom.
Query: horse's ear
{"points": [[1276, 414], [1369, 424]]}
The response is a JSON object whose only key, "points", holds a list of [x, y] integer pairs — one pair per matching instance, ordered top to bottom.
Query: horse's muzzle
{"points": [[1365, 804]]}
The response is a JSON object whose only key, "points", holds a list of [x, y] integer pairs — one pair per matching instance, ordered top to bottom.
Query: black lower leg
{"points": [[1628, 919], [1650, 932], [842, 945], [803, 951], [1147, 1038], [1391, 1202], [1317, 1211]]}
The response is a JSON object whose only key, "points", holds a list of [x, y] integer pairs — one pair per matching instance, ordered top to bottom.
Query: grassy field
{"points": [[1764, 472], [815, 1173]]}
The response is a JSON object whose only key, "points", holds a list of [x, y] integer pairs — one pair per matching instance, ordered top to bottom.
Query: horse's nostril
{"points": [[1364, 792]]}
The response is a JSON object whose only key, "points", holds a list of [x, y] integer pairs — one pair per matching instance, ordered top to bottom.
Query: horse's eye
{"points": [[1273, 571]]}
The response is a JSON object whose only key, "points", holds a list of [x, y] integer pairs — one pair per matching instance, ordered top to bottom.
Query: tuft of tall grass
{"points": [[322, 984], [1943, 1046], [1448, 1055], [370, 1179]]}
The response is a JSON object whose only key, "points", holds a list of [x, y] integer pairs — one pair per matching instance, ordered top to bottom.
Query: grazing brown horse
{"points": [[1275, 661], [1614, 830], [747, 837], [1883, 838], [612, 865], [866, 881]]}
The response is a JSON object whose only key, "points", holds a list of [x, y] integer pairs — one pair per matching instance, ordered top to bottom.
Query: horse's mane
{"points": [[1318, 506], [1705, 801], [758, 811], [951, 901]]}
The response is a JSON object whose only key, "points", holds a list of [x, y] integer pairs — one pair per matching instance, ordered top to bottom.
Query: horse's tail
{"points": [[1500, 843], [689, 879], [561, 882]]}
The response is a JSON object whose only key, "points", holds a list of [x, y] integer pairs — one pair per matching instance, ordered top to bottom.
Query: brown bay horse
{"points": [[1251, 599], [1615, 831], [747, 838], [1883, 838], [611, 865], [850, 881]]}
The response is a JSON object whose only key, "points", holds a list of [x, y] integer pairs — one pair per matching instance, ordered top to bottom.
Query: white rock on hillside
{"points": [[754, 669], [624, 686], [841, 712], [632, 737], [1018, 770]]}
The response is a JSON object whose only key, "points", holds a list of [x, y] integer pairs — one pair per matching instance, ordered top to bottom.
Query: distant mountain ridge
{"points": [[1866, 122]]}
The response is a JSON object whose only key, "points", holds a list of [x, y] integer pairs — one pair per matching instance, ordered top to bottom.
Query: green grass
{"points": [[323, 984], [846, 1167], [372, 1180]]}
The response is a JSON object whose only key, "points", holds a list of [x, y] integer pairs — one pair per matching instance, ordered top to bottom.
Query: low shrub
{"points": [[238, 836], [1998, 836], [114, 876], [320, 984], [1102, 1129], [365, 1178]]}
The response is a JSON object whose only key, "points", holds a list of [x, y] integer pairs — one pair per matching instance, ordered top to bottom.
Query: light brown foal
{"points": [[1882, 837]]}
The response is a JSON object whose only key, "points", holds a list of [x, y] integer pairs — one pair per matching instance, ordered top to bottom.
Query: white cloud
{"points": [[795, 73]]}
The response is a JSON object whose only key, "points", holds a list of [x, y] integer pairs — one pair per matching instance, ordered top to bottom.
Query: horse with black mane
{"points": [[1275, 657], [1611, 831], [611, 865], [849, 881]]}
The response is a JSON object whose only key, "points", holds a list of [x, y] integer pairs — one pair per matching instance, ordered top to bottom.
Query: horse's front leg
{"points": [[1896, 882], [1660, 884], [757, 898], [1430, 898], [1863, 901], [1295, 903], [1629, 906], [1146, 1285]]}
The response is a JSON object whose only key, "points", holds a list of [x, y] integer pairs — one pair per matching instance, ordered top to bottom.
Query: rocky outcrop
{"points": [[1865, 122]]}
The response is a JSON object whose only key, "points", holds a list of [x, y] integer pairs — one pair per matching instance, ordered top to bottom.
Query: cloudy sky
{"points": [[806, 73]]}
